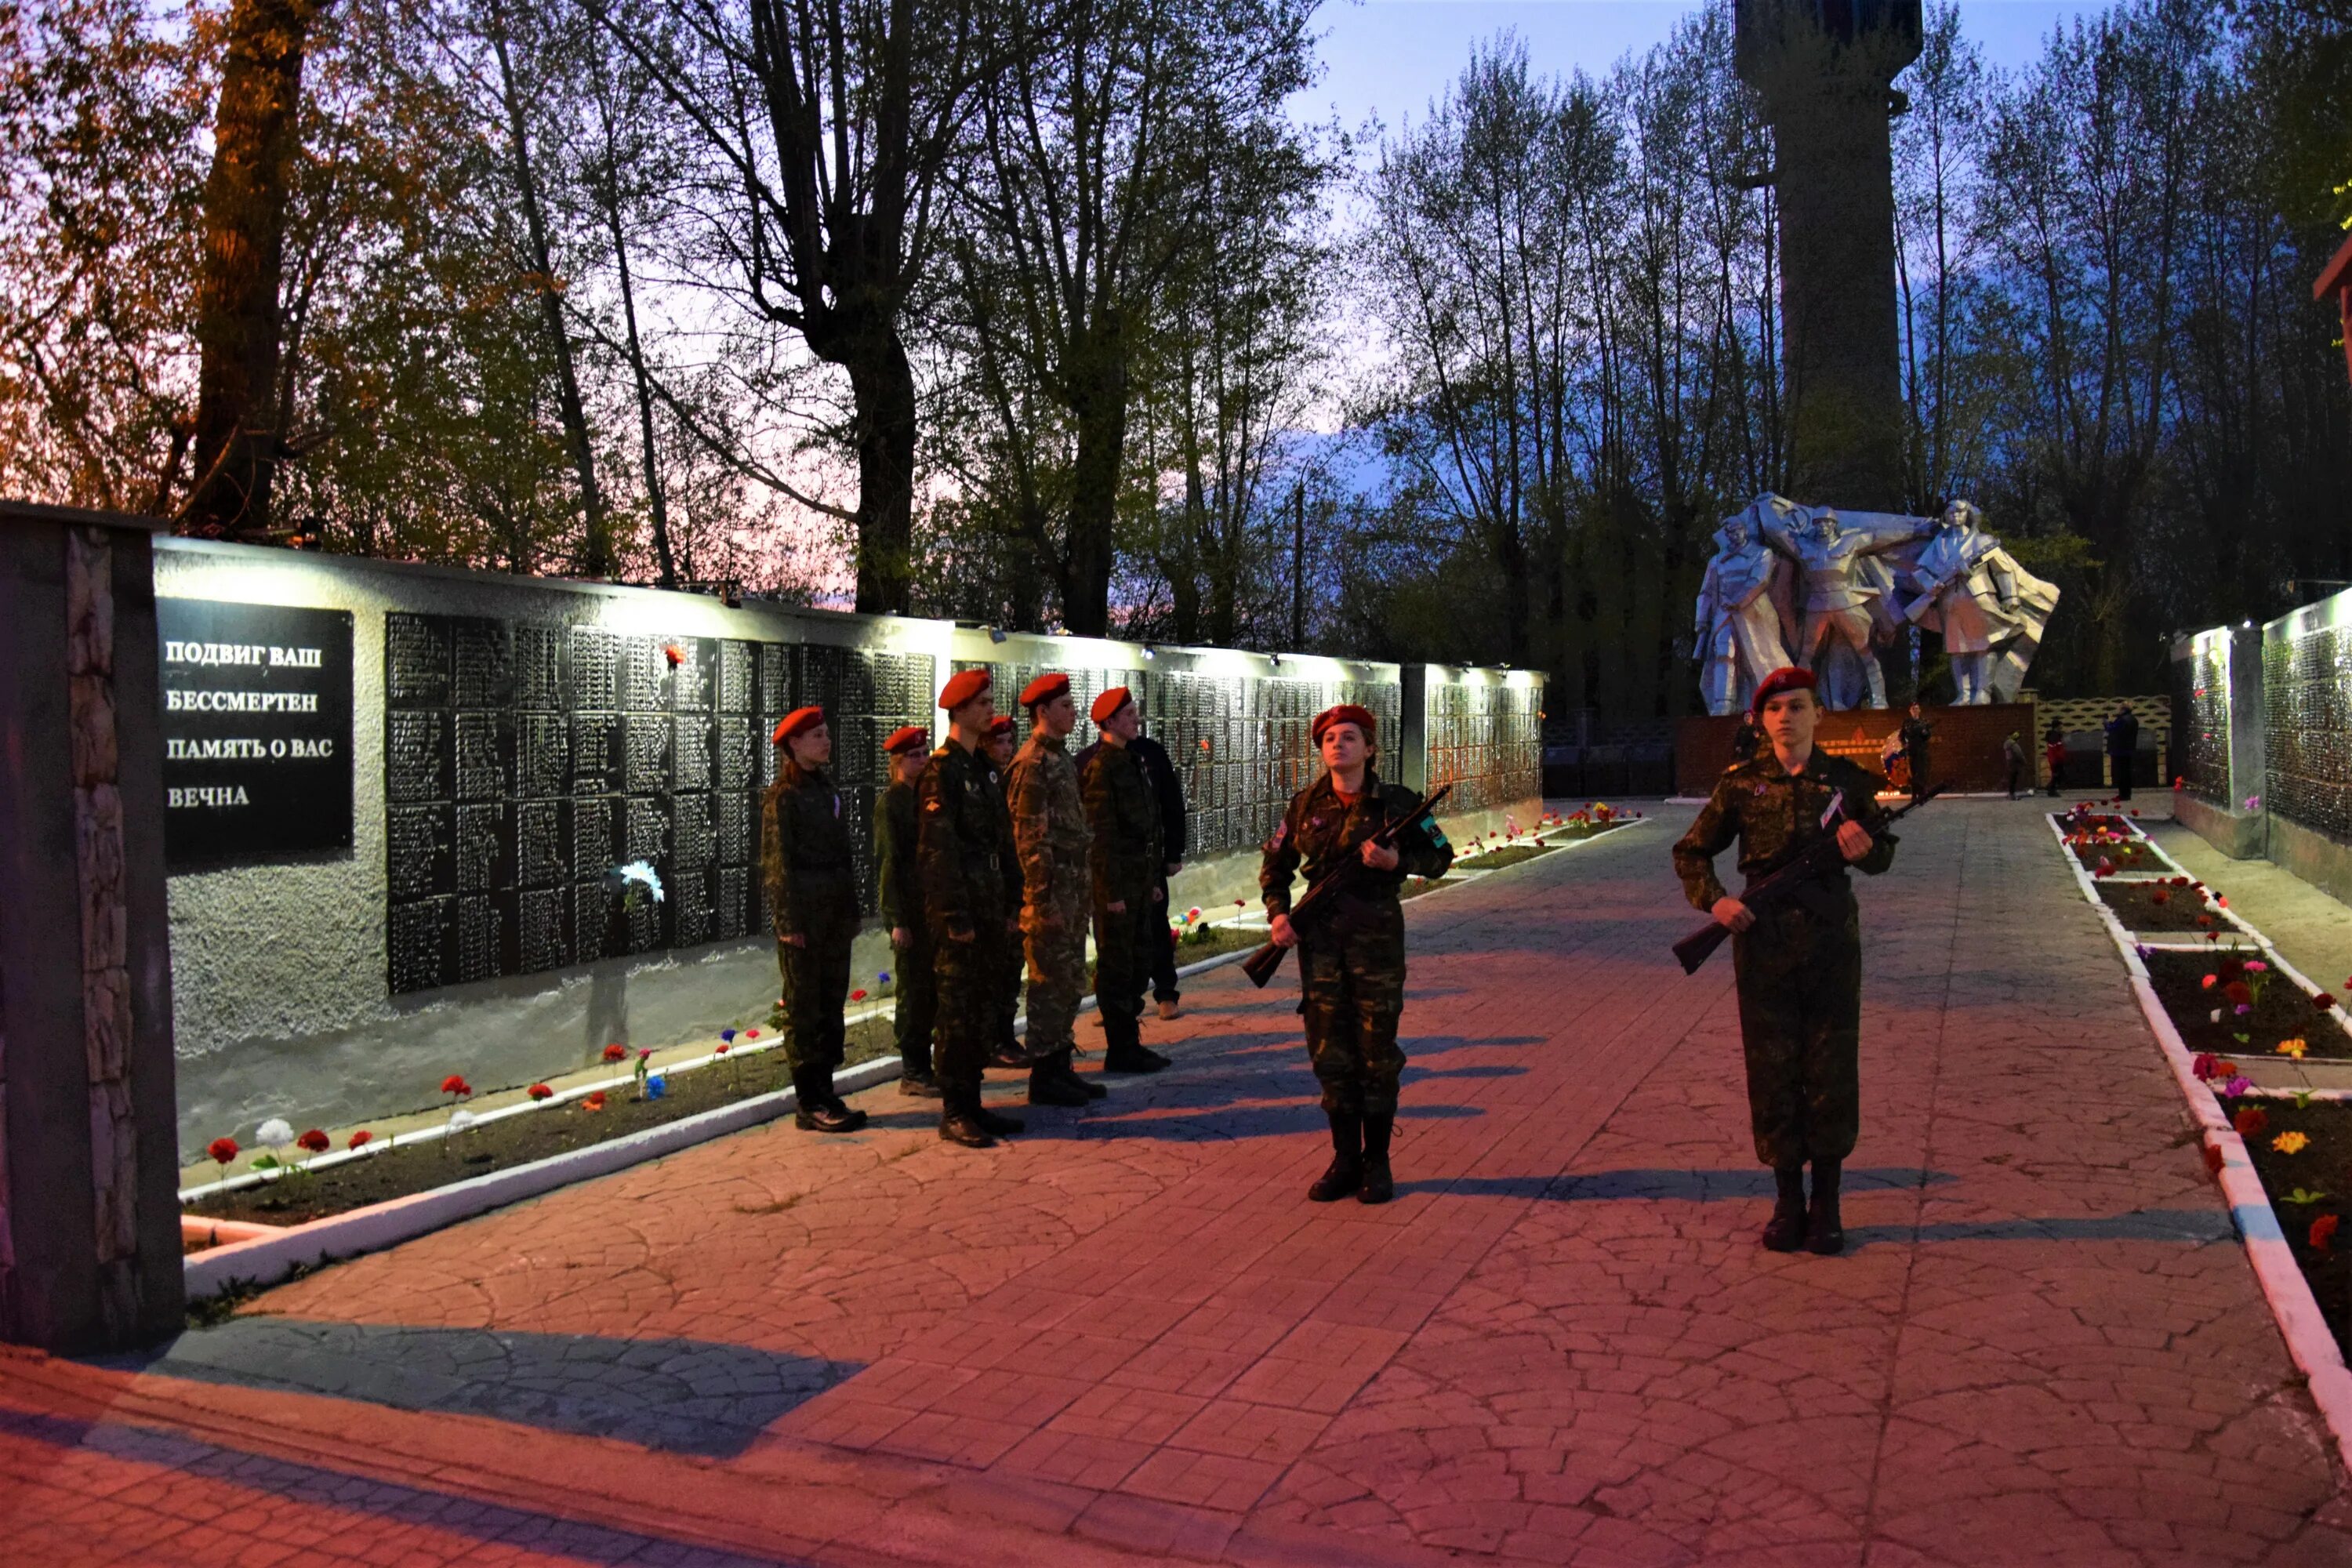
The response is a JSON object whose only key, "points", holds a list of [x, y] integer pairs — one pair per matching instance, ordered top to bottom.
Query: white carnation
{"points": [[277, 1129]]}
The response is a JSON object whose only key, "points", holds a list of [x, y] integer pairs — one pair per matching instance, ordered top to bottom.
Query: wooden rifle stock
{"points": [[1699, 946], [1262, 965]]}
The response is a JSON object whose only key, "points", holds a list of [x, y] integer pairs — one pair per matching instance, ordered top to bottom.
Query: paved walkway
{"points": [[1126, 1338]]}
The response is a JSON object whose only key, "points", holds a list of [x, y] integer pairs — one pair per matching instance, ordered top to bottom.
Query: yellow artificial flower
{"points": [[2292, 1049], [2289, 1143]]}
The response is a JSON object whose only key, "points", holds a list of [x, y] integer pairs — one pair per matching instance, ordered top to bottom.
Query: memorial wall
{"points": [[400, 798]]}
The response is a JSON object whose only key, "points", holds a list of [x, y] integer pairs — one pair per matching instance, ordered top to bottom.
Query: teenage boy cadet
{"points": [[906, 751], [1124, 818], [1049, 830], [1174, 832], [1005, 1049]]}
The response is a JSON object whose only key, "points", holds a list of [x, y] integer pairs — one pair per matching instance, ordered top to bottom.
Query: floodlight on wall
{"points": [[996, 634], [1150, 652], [1275, 659]]}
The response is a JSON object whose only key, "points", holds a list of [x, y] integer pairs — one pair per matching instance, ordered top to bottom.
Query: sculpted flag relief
{"points": [[1825, 590]]}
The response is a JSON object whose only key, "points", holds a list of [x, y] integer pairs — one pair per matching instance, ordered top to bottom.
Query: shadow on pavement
{"points": [[1683, 1187], [2144, 1224], [686, 1397]]}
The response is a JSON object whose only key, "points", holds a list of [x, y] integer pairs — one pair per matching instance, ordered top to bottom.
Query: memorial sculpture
{"points": [[1866, 576], [1745, 617]]}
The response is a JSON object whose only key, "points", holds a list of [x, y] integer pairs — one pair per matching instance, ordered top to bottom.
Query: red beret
{"points": [[1787, 678], [962, 688], [1045, 689], [1110, 702], [1344, 713], [793, 723], [1000, 725], [913, 738]]}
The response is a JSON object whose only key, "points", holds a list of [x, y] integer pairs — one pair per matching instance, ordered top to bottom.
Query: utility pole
{"points": [[1298, 567]]}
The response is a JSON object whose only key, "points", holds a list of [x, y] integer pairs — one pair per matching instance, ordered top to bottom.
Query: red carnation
{"points": [[675, 654], [2176, 781], [2159, 896], [2219, 902], [2204, 919], [2230, 969], [2240, 993], [859, 994], [2321, 1002], [751, 1034], [721, 1048], [615, 1052], [644, 1052], [2206, 1066], [455, 1084], [539, 1092], [594, 1102], [2250, 1120], [361, 1139], [315, 1141], [222, 1150], [2213, 1159], [2323, 1233]]}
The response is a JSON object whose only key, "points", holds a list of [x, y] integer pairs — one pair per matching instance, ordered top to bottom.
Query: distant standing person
{"points": [[1917, 733], [2123, 747], [2012, 751], [2054, 755], [1125, 821], [1173, 827], [809, 870], [902, 911], [1006, 1050]]}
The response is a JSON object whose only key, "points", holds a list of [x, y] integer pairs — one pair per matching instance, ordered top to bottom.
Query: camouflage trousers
{"points": [[1122, 963], [1057, 975], [970, 978], [1353, 986], [816, 989], [919, 1003], [1800, 1022]]}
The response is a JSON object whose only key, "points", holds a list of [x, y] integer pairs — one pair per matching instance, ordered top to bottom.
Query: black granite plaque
{"points": [[416, 661], [539, 667], [692, 672], [482, 675], [644, 675], [739, 676], [593, 678], [775, 681], [257, 732], [645, 739], [689, 752], [595, 753], [485, 754], [542, 754], [417, 757], [735, 763], [734, 812], [644, 829], [595, 836], [692, 846], [419, 850], [485, 855], [540, 858], [731, 903], [689, 908], [595, 923], [539, 926], [417, 943], [479, 948]]}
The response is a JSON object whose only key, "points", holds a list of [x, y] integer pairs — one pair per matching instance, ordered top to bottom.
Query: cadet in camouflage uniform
{"points": [[1123, 814], [1049, 830], [806, 864], [972, 893], [902, 911], [1798, 964], [1351, 966], [1005, 1049]]}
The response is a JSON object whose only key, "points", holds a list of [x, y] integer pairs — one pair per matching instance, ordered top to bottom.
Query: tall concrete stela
{"points": [[1826, 68]]}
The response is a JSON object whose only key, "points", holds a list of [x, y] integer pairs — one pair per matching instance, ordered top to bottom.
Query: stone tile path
{"points": [[1126, 1337]]}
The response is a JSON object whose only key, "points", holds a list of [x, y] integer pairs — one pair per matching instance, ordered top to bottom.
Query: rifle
{"points": [[1783, 884], [1260, 966]]}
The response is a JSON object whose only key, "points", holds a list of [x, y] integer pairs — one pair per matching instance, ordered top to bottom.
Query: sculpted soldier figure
{"points": [[1845, 590], [1976, 595], [1743, 616], [906, 751], [1124, 817], [1049, 830], [807, 865], [971, 890], [1799, 965], [1352, 973], [1005, 1049]]}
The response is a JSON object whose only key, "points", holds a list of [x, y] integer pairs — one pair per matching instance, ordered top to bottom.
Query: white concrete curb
{"points": [[2308, 1341]]}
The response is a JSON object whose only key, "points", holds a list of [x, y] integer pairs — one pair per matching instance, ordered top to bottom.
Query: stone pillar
{"points": [[1825, 69], [89, 1233]]}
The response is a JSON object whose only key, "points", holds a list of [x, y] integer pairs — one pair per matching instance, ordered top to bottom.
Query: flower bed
{"points": [[2124, 856], [2176, 906], [2195, 986], [2302, 1149]]}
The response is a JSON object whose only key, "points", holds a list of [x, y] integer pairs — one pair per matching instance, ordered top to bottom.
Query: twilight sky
{"points": [[1391, 57]]}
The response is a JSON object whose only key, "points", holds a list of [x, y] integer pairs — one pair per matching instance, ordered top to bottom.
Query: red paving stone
{"points": [[1125, 1337]]}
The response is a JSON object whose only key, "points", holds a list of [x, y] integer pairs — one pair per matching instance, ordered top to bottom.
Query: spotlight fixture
{"points": [[996, 634], [1150, 652], [1276, 659]]}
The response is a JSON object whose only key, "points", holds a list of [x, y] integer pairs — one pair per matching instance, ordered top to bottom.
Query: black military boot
{"points": [[1123, 1046], [1069, 1074], [1051, 1082], [917, 1083], [840, 1106], [813, 1108], [958, 1124], [1002, 1126], [1346, 1173], [1379, 1185], [1825, 1230], [1785, 1231]]}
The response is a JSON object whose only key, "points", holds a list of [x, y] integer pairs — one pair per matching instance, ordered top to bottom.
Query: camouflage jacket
{"points": [[1123, 814], [1774, 817], [1049, 822], [1323, 830], [894, 852], [806, 862], [970, 876]]}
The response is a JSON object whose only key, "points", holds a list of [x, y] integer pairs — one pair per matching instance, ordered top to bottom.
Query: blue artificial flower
{"points": [[883, 978], [727, 1034], [656, 1087]]}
